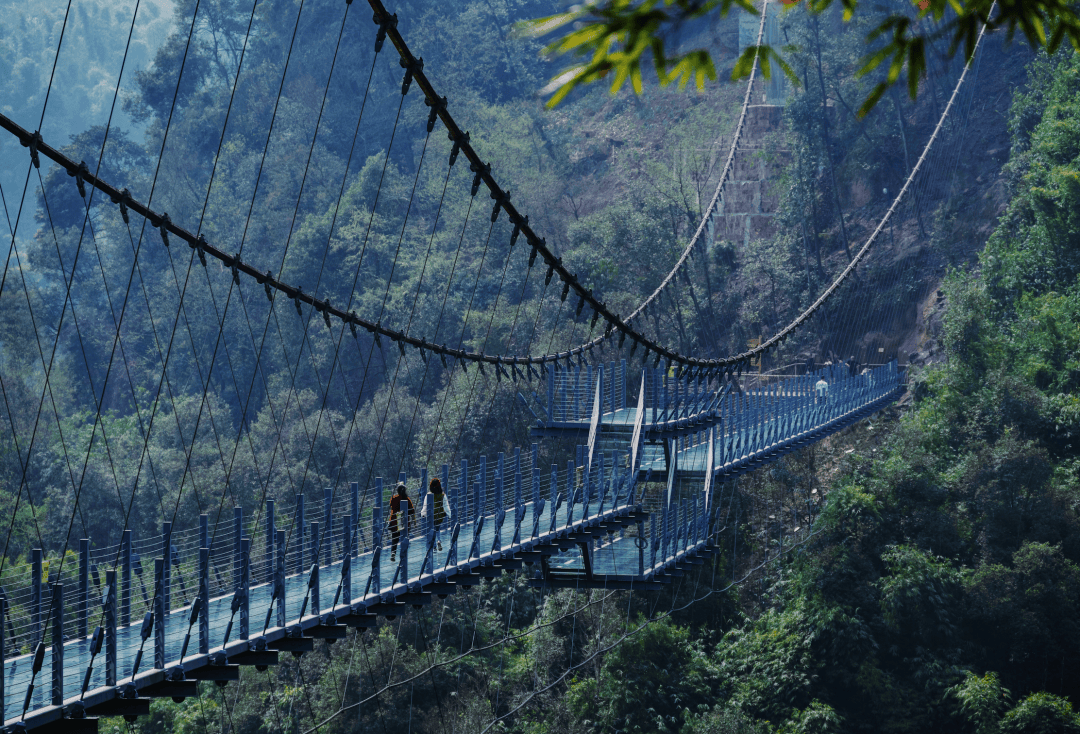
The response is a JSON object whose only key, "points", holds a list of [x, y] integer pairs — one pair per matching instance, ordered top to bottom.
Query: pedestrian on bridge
{"points": [[822, 389], [435, 508], [398, 523]]}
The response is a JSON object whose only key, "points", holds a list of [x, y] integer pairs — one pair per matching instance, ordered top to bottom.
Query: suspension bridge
{"points": [[129, 619]]}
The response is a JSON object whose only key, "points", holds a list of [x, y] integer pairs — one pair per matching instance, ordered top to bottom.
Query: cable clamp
{"points": [[385, 24], [411, 67], [436, 107], [459, 140], [32, 144], [479, 170], [80, 175], [501, 197], [125, 199], [163, 226], [199, 245], [235, 271], [550, 272], [565, 291], [296, 301], [580, 304], [326, 312], [352, 323], [442, 358], [464, 366]]}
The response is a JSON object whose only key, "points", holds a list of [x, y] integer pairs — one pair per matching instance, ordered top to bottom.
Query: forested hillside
{"points": [[936, 584]]}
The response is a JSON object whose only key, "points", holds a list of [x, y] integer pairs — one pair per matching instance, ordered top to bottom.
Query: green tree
{"points": [[982, 701], [1041, 713]]}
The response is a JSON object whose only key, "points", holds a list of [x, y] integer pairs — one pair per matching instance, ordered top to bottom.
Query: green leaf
{"points": [[744, 64]]}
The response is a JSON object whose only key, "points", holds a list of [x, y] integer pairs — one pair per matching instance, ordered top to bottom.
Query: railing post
{"points": [[622, 381], [551, 392], [587, 393], [610, 396], [566, 412], [574, 415], [535, 464], [500, 474], [517, 482], [586, 484], [601, 488], [570, 490], [446, 491], [553, 492], [463, 493], [483, 495], [328, 510], [376, 514], [499, 514], [354, 516], [682, 520], [429, 522], [665, 524], [406, 528], [271, 529], [301, 529], [204, 531], [238, 534], [166, 537], [655, 540], [346, 559], [279, 577], [245, 586], [204, 596], [83, 600], [315, 606], [159, 613], [110, 627], [36, 633], [57, 644], [3, 657]]}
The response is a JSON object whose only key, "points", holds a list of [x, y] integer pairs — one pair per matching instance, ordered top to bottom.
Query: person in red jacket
{"points": [[396, 523]]}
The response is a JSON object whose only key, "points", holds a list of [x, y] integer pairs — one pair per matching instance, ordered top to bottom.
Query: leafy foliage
{"points": [[615, 36]]}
